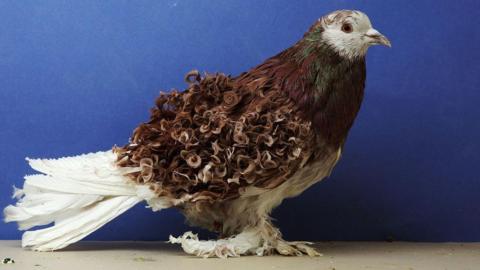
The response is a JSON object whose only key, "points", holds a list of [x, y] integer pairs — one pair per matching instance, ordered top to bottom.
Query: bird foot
{"points": [[245, 243], [296, 248]]}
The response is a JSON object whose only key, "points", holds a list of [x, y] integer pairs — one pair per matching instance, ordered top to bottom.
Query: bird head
{"points": [[348, 32]]}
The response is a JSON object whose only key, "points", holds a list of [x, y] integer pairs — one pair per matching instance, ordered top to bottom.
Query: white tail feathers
{"points": [[79, 194]]}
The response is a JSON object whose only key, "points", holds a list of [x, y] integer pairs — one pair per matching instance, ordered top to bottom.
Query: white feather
{"points": [[350, 45], [78, 194], [74, 226], [247, 242]]}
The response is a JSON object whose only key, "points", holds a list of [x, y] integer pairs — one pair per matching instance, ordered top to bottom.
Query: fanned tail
{"points": [[78, 194]]}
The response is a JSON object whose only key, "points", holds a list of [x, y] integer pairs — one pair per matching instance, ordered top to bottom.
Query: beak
{"points": [[376, 38]]}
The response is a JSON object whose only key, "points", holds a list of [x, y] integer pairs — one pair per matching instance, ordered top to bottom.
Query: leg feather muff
{"points": [[78, 194], [272, 238], [261, 240], [244, 243]]}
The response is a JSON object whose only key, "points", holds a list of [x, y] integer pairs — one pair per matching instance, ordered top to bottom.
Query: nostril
{"points": [[373, 35]]}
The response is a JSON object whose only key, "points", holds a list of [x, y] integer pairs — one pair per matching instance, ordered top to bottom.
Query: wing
{"points": [[218, 137]]}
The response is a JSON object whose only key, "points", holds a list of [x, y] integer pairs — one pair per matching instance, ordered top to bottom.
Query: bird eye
{"points": [[347, 28]]}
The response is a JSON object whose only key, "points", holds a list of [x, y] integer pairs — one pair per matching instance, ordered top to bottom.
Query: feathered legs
{"points": [[261, 240], [273, 242], [244, 243]]}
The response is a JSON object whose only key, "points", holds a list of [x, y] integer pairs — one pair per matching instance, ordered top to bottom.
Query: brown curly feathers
{"points": [[217, 137]]}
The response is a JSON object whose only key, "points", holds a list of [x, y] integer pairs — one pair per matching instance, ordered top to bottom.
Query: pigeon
{"points": [[224, 152]]}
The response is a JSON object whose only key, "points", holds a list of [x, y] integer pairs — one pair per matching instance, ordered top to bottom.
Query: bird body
{"points": [[225, 151]]}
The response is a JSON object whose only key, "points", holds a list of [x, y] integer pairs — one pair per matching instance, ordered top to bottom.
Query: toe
{"points": [[312, 252]]}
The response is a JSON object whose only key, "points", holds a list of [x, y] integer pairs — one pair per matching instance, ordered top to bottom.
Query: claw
{"points": [[296, 249]]}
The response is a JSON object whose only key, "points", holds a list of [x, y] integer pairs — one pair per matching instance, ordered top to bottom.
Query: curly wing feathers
{"points": [[218, 137]]}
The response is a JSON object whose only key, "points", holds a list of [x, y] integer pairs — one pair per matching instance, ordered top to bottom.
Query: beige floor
{"points": [[159, 256]]}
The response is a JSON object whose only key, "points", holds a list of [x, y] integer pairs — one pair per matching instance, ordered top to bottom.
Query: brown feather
{"points": [[218, 136]]}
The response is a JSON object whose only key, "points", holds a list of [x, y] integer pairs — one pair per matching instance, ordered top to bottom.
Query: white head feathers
{"points": [[350, 33]]}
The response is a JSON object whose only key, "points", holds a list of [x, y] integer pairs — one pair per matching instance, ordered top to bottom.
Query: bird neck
{"points": [[327, 87]]}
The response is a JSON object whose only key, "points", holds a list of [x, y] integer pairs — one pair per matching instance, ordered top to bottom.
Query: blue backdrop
{"points": [[78, 76]]}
